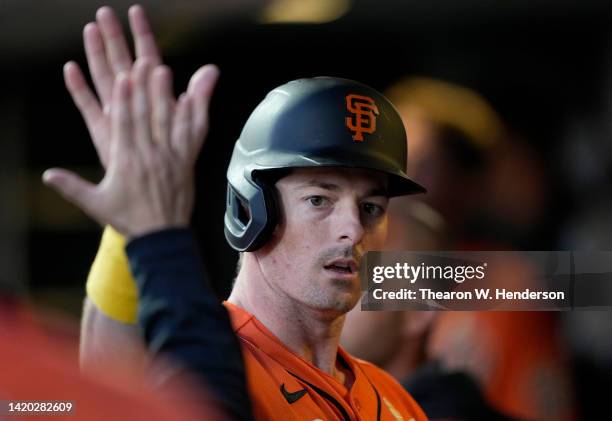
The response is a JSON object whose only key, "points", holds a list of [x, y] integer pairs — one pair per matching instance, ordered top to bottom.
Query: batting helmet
{"points": [[318, 122]]}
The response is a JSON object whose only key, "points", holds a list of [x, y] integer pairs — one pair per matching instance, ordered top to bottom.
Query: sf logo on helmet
{"points": [[364, 112]]}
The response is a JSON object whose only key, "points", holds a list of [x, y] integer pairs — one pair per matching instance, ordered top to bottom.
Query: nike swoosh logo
{"points": [[292, 396]]}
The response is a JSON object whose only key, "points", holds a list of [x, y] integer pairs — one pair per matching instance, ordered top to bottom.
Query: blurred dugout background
{"points": [[545, 66]]}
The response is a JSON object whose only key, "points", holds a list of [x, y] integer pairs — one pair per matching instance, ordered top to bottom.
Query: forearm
{"points": [[182, 319], [110, 335], [106, 342]]}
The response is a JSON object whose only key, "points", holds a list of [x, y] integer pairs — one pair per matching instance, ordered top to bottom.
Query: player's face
{"points": [[330, 217]]}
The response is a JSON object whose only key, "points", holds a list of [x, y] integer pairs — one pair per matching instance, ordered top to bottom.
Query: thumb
{"points": [[72, 187]]}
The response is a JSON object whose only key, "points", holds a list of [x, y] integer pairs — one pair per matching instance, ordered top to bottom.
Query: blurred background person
{"points": [[451, 131]]}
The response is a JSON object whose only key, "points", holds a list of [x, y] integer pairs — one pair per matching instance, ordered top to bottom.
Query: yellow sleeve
{"points": [[110, 285]]}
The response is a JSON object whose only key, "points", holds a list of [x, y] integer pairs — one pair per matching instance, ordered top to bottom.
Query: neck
{"points": [[312, 334]]}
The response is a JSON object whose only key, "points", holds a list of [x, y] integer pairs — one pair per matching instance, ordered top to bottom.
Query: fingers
{"points": [[144, 40], [107, 50], [117, 52], [99, 68], [201, 87], [84, 99], [163, 104], [90, 110], [141, 116], [121, 119], [182, 142], [73, 188]]}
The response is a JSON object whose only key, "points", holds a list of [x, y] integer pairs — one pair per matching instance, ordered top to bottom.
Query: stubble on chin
{"points": [[341, 295]]}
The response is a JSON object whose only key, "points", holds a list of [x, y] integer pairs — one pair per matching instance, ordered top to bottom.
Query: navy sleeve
{"points": [[181, 317]]}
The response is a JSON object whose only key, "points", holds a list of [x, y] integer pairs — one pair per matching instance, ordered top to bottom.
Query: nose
{"points": [[349, 224]]}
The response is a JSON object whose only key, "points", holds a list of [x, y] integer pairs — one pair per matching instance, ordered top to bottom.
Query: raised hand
{"points": [[107, 55], [147, 141], [151, 152]]}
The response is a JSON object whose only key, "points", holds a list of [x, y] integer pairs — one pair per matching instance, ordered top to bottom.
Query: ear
{"points": [[417, 323]]}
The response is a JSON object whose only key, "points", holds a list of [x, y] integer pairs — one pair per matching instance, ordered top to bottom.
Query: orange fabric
{"points": [[515, 355], [270, 364], [37, 365]]}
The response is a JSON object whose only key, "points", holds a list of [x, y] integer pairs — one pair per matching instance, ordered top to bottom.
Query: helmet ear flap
{"points": [[240, 211], [250, 218]]}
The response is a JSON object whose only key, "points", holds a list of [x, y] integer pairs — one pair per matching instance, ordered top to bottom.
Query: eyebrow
{"points": [[320, 184], [375, 191]]}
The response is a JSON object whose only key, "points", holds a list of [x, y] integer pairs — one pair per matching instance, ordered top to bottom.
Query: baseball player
{"points": [[309, 182]]}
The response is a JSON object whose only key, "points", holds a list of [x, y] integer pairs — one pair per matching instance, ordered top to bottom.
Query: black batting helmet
{"points": [[316, 122]]}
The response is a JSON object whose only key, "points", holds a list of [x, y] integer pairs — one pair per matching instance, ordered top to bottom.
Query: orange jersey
{"points": [[284, 386]]}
